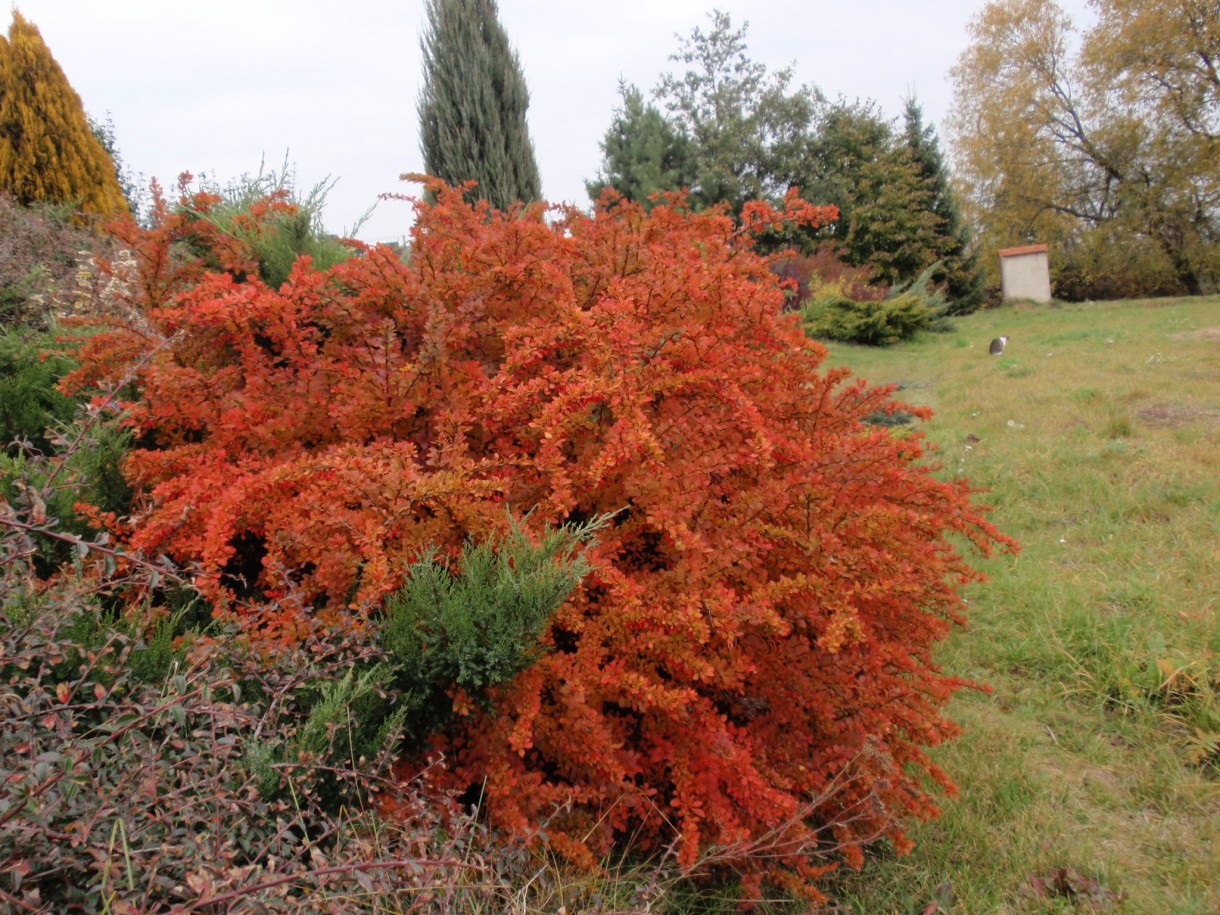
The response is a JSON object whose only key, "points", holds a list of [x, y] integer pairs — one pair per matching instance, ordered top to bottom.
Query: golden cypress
{"points": [[47, 151]]}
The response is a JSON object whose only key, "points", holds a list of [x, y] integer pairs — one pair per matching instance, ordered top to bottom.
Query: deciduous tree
{"points": [[48, 152], [1110, 155]]}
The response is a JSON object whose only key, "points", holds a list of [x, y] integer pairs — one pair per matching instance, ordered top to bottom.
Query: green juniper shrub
{"points": [[928, 288], [830, 314], [833, 316], [30, 403], [892, 414], [890, 418], [479, 626], [471, 628]]}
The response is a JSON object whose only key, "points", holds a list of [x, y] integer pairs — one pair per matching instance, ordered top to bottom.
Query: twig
{"points": [[9, 520]]}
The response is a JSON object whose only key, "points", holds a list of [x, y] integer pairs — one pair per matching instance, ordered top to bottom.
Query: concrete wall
{"points": [[1025, 273]]}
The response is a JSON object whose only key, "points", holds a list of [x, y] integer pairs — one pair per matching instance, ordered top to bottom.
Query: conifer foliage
{"points": [[472, 107], [48, 152], [643, 153], [958, 257], [748, 662]]}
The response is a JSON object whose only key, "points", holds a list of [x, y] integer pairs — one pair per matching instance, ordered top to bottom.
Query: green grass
{"points": [[1097, 434]]}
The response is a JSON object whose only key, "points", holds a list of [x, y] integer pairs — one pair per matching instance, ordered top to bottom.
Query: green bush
{"points": [[279, 240], [830, 314], [833, 316], [56, 452], [51, 460], [85, 465], [478, 627]]}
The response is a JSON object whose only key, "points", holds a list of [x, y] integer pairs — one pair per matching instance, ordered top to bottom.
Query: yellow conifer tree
{"points": [[47, 150]]}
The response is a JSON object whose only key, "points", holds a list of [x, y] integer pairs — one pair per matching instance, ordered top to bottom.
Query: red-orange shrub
{"points": [[758, 627]]}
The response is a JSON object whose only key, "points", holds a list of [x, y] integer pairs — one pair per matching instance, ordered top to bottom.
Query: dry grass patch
{"points": [[1204, 334], [1174, 415]]}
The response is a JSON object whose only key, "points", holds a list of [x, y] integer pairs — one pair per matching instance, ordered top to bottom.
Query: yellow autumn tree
{"points": [[1159, 60], [1104, 145], [48, 153]]}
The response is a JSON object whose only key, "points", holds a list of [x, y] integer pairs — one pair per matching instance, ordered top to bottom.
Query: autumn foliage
{"points": [[749, 660]]}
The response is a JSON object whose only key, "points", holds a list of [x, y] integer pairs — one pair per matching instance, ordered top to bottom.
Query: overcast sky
{"points": [[216, 87]]}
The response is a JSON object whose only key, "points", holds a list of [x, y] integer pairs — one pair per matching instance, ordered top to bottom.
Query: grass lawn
{"points": [[1097, 434]]}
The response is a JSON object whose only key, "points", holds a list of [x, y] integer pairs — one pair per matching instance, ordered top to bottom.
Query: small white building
{"points": [[1025, 273]]}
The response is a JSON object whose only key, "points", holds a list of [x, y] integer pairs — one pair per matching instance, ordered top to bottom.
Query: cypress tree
{"points": [[473, 103], [48, 152]]}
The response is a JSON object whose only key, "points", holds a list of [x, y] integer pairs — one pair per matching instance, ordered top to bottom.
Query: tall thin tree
{"points": [[473, 103], [48, 151], [963, 275]]}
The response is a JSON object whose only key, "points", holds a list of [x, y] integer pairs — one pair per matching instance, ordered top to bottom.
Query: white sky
{"points": [[216, 87]]}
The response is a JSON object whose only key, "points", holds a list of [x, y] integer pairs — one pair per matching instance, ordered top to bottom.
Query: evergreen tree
{"points": [[472, 107], [748, 126], [731, 130], [47, 150], [643, 153], [885, 210], [963, 276]]}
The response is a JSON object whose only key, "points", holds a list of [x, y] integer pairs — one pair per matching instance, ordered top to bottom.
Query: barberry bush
{"points": [[748, 662]]}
